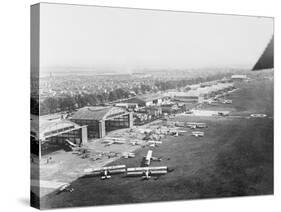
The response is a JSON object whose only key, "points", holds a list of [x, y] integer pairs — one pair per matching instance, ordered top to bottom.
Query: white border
{"points": [[14, 49]]}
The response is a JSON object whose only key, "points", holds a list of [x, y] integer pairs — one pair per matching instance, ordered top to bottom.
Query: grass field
{"points": [[234, 158]]}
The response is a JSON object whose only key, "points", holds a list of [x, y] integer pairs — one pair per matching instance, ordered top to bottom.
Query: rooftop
{"points": [[240, 76], [150, 97], [97, 112], [43, 127]]}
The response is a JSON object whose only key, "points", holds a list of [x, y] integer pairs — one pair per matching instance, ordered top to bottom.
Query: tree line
{"points": [[68, 103]]}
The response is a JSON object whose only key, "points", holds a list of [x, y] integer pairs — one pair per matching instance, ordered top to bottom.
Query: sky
{"points": [[99, 38]]}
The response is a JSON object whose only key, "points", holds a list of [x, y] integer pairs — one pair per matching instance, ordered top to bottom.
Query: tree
{"points": [[67, 103], [50, 104]]}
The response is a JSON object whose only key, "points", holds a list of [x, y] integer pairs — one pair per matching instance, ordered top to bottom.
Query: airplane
{"points": [[211, 101], [226, 101], [222, 114], [179, 124], [194, 125], [145, 131], [176, 132], [198, 133], [116, 139], [110, 142], [136, 142], [71, 143], [153, 143], [129, 155], [148, 158], [105, 171], [146, 172], [65, 188]]}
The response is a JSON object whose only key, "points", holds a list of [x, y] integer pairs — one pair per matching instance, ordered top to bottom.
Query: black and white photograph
{"points": [[141, 105]]}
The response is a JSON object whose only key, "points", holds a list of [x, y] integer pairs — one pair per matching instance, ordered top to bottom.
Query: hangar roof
{"points": [[98, 113], [43, 127]]}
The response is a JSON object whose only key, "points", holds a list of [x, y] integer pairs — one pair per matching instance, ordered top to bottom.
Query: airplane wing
{"points": [[266, 60], [117, 139], [107, 141], [119, 142], [70, 143], [111, 169], [139, 171]]}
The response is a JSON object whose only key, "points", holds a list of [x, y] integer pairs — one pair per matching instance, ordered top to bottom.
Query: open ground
{"points": [[234, 158]]}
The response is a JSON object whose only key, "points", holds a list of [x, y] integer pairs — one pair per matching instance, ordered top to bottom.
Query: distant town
{"points": [[68, 92]]}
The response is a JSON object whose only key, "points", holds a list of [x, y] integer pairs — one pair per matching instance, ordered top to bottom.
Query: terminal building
{"points": [[192, 96], [189, 98], [147, 100], [102, 119]]}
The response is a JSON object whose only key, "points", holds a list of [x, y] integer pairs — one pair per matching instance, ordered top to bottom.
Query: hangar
{"points": [[102, 119], [55, 133]]}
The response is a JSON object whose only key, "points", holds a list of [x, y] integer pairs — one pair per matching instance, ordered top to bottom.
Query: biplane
{"points": [[226, 101], [194, 125], [176, 132], [198, 133], [116, 139], [110, 141], [136, 142], [71, 143], [153, 143], [128, 155], [148, 158], [105, 172], [146, 172], [65, 188]]}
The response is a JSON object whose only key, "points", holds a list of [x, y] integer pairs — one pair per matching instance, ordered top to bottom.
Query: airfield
{"points": [[234, 158]]}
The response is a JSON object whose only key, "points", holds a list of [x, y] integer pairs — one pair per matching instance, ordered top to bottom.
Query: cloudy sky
{"points": [[128, 39]]}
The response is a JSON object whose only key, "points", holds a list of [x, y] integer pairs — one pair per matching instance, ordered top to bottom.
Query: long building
{"points": [[239, 77], [197, 94], [147, 100]]}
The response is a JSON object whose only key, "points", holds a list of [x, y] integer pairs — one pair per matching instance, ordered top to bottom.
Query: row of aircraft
{"points": [[191, 125], [150, 143], [145, 172]]}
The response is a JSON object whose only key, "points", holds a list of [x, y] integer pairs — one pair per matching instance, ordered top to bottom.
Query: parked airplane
{"points": [[226, 101], [223, 114], [180, 124], [194, 125], [144, 131], [176, 132], [198, 133], [116, 139], [110, 142], [137, 142], [71, 143], [134, 143], [153, 143], [129, 155], [148, 158], [105, 171], [147, 172], [65, 188]]}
